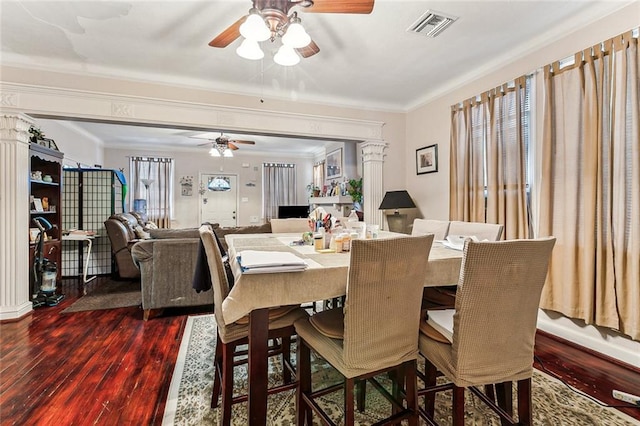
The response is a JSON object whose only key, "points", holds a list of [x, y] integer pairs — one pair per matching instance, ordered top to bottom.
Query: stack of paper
{"points": [[456, 242], [265, 262], [442, 321]]}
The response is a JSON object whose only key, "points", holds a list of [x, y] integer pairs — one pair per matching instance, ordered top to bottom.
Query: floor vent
{"points": [[431, 23]]}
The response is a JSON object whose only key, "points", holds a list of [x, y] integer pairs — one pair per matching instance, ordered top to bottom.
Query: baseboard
{"points": [[15, 313], [599, 340]]}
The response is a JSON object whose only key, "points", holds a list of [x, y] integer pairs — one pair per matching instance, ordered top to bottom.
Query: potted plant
{"points": [[314, 191], [355, 191]]}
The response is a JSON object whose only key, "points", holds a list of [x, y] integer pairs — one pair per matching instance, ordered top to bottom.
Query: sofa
{"points": [[121, 229], [167, 262]]}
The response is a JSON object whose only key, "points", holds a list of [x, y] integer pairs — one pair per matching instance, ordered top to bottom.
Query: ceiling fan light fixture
{"points": [[254, 28], [296, 36], [249, 49], [286, 56], [214, 152], [227, 152]]}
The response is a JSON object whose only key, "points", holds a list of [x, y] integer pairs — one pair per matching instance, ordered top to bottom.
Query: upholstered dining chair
{"points": [[289, 225], [439, 228], [484, 231], [444, 296], [494, 326], [374, 332], [230, 336]]}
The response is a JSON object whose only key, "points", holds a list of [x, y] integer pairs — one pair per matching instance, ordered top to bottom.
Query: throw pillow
{"points": [[150, 225], [140, 233]]}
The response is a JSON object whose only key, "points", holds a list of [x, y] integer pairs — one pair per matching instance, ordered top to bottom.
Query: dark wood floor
{"points": [[110, 367]]}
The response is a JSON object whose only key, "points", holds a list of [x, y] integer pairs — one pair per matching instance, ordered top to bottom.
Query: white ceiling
{"points": [[366, 61]]}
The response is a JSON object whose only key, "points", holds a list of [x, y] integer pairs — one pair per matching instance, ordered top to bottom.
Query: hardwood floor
{"points": [[110, 367]]}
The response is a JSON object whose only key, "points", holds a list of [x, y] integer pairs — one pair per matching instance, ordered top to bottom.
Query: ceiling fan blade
{"points": [[340, 6], [229, 35], [309, 50], [245, 142], [203, 144], [232, 146]]}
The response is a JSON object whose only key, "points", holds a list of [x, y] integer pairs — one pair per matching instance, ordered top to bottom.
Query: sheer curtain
{"points": [[489, 151], [318, 175], [278, 187], [590, 192], [158, 194]]}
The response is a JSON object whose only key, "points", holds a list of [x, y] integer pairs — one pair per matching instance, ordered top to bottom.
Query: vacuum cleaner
{"points": [[44, 271]]}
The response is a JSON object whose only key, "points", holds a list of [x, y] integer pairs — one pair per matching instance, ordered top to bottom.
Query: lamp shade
{"points": [[286, 56], [396, 200]]}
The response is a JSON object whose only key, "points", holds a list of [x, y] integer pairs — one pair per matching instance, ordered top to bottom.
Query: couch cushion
{"points": [[162, 234]]}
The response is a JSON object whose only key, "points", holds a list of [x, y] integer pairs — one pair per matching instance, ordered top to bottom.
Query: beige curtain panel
{"points": [[488, 160], [590, 186], [159, 194]]}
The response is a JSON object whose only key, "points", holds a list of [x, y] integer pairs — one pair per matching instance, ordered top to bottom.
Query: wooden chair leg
{"points": [[286, 358], [217, 372], [431, 373], [410, 381], [227, 382], [361, 394], [504, 398], [349, 406], [458, 406], [304, 413], [525, 415]]}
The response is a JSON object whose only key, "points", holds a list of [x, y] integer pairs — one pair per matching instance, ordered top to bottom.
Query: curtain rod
{"points": [[156, 159], [278, 164]]}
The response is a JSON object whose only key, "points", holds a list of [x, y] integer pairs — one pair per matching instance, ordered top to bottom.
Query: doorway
{"points": [[219, 199]]}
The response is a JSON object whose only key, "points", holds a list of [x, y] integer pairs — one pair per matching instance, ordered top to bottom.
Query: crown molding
{"points": [[51, 102]]}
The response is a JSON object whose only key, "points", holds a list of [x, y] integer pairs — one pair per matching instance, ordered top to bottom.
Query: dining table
{"points": [[325, 278]]}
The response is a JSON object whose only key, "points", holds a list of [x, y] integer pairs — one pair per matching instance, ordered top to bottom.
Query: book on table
{"points": [[264, 262]]}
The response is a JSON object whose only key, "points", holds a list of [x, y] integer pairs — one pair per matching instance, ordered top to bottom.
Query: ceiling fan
{"points": [[269, 19], [223, 145]]}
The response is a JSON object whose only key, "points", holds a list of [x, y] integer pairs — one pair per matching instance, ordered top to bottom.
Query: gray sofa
{"points": [[167, 262]]}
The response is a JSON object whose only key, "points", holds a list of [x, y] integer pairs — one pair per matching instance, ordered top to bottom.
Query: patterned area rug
{"points": [[109, 295], [191, 386]]}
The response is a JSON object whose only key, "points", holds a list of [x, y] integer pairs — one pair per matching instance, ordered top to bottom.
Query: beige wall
{"points": [[430, 123]]}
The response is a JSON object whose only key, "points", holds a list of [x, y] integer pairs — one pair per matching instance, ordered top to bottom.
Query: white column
{"points": [[372, 180], [14, 216]]}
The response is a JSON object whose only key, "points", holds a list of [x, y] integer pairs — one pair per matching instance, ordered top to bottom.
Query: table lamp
{"points": [[394, 200]]}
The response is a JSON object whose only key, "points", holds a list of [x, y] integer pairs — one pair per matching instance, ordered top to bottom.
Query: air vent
{"points": [[431, 23]]}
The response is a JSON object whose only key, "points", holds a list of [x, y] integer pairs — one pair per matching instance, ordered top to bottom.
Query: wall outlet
{"points": [[244, 199], [254, 219], [627, 397]]}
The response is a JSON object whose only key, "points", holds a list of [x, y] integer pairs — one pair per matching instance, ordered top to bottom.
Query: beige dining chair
{"points": [[289, 225], [439, 228], [484, 231], [445, 295], [494, 326], [376, 330], [230, 336]]}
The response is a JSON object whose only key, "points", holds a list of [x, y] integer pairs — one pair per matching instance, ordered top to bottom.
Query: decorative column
{"points": [[372, 180], [14, 216]]}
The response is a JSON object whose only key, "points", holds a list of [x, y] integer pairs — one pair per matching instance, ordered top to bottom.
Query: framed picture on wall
{"points": [[427, 159], [334, 164]]}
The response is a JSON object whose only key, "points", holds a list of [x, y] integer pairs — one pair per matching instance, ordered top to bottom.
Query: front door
{"points": [[219, 202]]}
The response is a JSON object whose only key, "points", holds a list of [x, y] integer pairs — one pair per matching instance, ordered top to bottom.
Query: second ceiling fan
{"points": [[270, 19], [223, 145]]}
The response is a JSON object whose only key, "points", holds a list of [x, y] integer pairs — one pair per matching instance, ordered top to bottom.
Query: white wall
{"points": [[430, 124], [77, 146], [247, 167]]}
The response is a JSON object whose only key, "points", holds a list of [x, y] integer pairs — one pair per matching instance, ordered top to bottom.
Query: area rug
{"points": [[109, 295], [189, 397]]}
